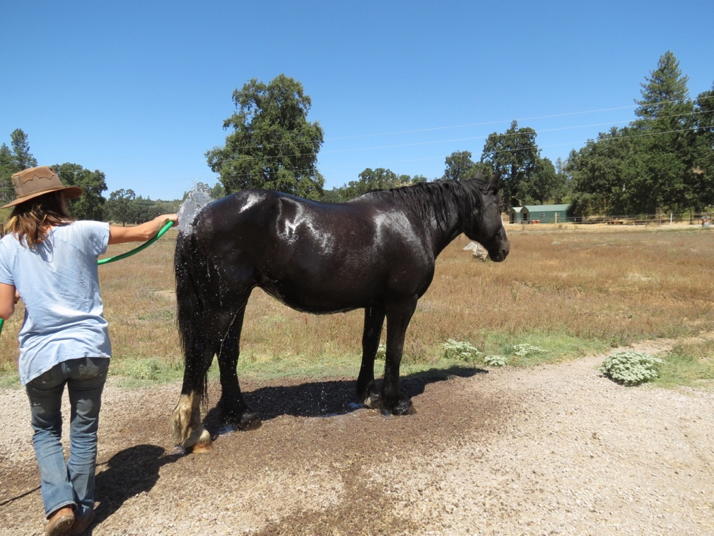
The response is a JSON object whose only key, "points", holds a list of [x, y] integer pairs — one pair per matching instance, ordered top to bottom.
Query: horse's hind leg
{"points": [[398, 317], [373, 322], [234, 410], [188, 429]]}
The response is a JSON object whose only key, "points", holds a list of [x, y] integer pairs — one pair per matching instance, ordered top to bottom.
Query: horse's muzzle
{"points": [[501, 252]]}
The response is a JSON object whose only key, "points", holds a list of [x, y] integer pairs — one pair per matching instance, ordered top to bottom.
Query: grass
{"points": [[569, 291], [689, 363]]}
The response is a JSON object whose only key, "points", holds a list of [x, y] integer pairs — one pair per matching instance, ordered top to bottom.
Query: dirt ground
{"points": [[556, 449]]}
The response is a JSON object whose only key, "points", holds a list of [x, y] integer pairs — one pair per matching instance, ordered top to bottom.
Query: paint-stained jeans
{"points": [[68, 483]]}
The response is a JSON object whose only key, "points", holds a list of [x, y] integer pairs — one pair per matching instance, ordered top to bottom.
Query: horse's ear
{"points": [[494, 183]]}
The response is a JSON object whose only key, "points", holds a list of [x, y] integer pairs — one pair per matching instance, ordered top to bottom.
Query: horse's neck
{"points": [[448, 225]]}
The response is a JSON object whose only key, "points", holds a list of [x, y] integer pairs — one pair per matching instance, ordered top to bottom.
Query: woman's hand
{"points": [[166, 218]]}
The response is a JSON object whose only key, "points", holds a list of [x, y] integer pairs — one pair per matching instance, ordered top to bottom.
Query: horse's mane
{"points": [[436, 199]]}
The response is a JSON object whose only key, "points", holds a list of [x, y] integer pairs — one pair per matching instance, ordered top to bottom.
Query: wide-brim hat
{"points": [[37, 181]]}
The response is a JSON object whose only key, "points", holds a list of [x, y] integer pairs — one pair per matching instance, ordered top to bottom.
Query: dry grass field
{"points": [[570, 290]]}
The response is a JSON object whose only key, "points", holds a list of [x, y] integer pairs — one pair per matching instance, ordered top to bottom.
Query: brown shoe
{"points": [[60, 522], [82, 523]]}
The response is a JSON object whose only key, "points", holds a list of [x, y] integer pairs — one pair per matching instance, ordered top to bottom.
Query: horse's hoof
{"points": [[373, 401], [405, 407], [242, 418], [250, 420], [199, 445], [201, 448]]}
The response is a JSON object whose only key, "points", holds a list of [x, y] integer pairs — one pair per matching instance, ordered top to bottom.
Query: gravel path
{"points": [[556, 449]]}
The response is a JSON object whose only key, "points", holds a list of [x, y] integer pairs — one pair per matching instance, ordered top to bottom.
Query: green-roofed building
{"points": [[539, 213]]}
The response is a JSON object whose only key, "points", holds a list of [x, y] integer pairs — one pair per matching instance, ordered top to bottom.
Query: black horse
{"points": [[375, 252]]}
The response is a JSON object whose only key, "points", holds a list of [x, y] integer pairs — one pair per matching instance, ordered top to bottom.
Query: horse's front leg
{"points": [[398, 317], [373, 321], [233, 408]]}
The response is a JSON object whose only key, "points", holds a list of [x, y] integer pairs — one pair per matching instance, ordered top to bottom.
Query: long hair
{"points": [[31, 220]]}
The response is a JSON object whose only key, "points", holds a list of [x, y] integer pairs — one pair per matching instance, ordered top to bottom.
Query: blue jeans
{"points": [[68, 483]]}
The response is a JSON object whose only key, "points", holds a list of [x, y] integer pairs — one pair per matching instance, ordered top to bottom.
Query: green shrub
{"points": [[523, 350], [460, 351], [495, 360], [631, 368], [144, 369]]}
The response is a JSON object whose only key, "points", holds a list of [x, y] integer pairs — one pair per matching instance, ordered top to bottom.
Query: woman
{"points": [[51, 262]]}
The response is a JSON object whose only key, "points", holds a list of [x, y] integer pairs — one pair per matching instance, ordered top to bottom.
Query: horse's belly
{"points": [[319, 300]]}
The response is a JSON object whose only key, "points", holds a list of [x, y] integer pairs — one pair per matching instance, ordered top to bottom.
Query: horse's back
{"points": [[269, 219], [317, 257]]}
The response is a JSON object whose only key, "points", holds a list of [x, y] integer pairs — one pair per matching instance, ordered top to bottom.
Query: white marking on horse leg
{"points": [[371, 403], [188, 430]]}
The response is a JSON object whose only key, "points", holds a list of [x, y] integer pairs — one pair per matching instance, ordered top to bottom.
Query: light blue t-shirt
{"points": [[58, 282]]}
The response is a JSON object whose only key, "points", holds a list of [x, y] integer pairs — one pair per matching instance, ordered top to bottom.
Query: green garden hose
{"points": [[145, 245], [121, 256]]}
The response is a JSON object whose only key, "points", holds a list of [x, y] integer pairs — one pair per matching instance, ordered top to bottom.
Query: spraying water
{"points": [[196, 199]]}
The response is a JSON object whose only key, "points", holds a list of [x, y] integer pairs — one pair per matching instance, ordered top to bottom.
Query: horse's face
{"points": [[485, 225]]}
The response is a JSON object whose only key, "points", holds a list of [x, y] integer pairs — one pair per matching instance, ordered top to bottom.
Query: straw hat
{"points": [[37, 181]]}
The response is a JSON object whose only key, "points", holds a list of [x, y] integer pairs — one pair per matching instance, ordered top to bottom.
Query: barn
{"points": [[539, 213]]}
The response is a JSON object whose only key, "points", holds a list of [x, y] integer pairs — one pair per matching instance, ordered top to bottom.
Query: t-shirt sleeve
{"points": [[97, 236], [5, 274]]}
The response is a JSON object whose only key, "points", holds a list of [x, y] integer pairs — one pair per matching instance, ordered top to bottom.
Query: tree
{"points": [[665, 98], [665, 118], [272, 144], [513, 155], [21, 156], [5, 157], [12, 161], [703, 161], [660, 162], [459, 166], [7, 168], [602, 175], [371, 179], [564, 182], [543, 183], [217, 191], [335, 195], [90, 205], [120, 205], [143, 210]]}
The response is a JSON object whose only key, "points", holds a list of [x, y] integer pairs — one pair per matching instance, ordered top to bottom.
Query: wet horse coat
{"points": [[376, 252]]}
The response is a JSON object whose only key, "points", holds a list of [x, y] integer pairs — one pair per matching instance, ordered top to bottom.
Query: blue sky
{"points": [[140, 90]]}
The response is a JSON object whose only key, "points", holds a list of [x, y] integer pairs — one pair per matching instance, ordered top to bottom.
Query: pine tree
{"points": [[666, 125], [21, 156]]}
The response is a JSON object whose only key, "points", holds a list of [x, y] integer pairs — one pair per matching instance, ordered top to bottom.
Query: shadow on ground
{"points": [[326, 398], [127, 474]]}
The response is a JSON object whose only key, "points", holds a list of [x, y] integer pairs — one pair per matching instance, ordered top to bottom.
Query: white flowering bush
{"points": [[523, 350], [461, 351], [495, 360], [631, 368]]}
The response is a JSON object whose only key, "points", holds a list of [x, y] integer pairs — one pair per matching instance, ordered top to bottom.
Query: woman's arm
{"points": [[140, 233], [8, 299]]}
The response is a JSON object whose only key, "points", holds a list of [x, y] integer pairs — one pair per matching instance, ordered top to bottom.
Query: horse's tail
{"points": [[190, 314]]}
